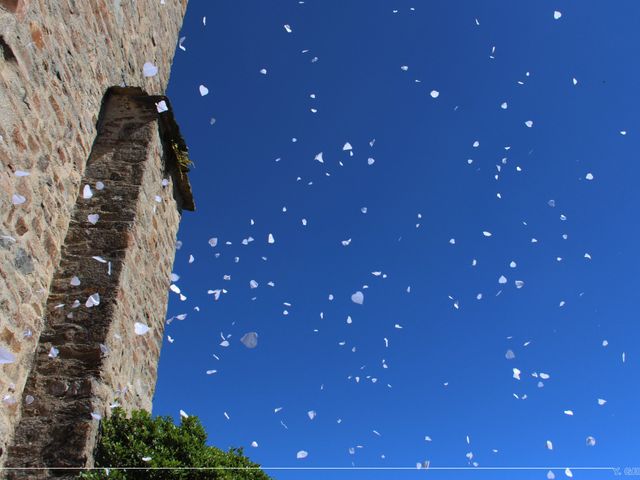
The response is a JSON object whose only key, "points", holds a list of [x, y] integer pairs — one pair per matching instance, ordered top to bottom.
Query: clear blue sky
{"points": [[447, 374]]}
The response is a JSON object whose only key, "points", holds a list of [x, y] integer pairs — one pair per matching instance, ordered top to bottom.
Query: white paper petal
{"points": [[149, 69], [161, 106], [18, 199], [93, 300], [140, 328], [250, 340], [6, 356]]}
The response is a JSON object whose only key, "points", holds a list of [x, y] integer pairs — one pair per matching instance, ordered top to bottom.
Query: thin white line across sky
{"points": [[315, 468]]}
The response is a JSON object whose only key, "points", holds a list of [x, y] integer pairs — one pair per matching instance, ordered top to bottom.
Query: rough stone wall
{"points": [[57, 59], [97, 358]]}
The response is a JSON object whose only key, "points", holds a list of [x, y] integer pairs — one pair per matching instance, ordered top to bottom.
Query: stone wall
{"points": [[57, 59], [114, 272]]}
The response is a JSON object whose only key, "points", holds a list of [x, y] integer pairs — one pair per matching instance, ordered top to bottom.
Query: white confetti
{"points": [[149, 69], [203, 90], [161, 106], [86, 192], [18, 199], [358, 298], [93, 300], [140, 328], [250, 340], [6, 356], [302, 454]]}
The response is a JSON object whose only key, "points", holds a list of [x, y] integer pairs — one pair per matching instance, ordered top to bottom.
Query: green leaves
{"points": [[156, 448]]}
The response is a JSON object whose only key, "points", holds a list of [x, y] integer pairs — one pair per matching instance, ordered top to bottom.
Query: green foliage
{"points": [[182, 157], [126, 441]]}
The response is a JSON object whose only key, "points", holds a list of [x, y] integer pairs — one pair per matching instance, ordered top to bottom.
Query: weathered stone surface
{"points": [[57, 59], [23, 262], [99, 357]]}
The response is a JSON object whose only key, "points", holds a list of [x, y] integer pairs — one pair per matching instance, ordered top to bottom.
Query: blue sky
{"points": [[446, 375]]}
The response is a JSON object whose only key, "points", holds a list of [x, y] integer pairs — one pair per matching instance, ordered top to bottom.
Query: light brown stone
{"points": [[57, 60]]}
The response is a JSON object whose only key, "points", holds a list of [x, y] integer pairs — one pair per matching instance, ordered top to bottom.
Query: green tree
{"points": [[145, 443]]}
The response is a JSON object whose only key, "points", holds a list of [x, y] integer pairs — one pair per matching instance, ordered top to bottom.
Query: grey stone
{"points": [[23, 262]]}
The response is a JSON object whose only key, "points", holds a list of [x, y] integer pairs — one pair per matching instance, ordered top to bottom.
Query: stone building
{"points": [[92, 186]]}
